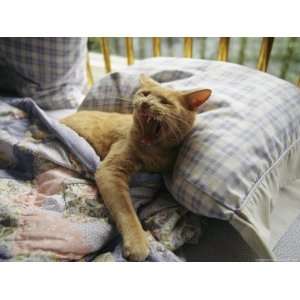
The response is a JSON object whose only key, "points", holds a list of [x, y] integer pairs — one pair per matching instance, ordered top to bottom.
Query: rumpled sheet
{"points": [[50, 209]]}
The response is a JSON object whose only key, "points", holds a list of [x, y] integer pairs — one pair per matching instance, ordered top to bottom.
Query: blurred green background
{"points": [[284, 61]]}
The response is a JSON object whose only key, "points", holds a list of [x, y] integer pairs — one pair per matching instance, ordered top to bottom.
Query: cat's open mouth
{"points": [[151, 126]]}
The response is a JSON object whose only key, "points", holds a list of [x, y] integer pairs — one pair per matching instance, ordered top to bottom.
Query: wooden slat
{"points": [[156, 46], [188, 47], [223, 48], [129, 50], [264, 53], [106, 54], [89, 71]]}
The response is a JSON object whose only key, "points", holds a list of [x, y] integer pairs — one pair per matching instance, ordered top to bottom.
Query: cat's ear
{"points": [[146, 81], [195, 98]]}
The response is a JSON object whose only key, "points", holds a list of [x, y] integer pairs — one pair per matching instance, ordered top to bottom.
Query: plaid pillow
{"points": [[49, 70], [245, 139]]}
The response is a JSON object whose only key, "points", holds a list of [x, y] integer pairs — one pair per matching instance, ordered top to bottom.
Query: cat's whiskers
{"points": [[176, 118], [179, 123], [178, 126], [174, 131], [176, 135]]}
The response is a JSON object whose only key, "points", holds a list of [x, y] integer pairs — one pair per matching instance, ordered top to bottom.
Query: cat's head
{"points": [[163, 115]]}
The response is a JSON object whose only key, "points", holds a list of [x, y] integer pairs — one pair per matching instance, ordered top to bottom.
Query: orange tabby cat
{"points": [[146, 140]]}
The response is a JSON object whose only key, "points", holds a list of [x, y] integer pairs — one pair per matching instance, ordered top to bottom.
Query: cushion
{"points": [[50, 70], [245, 145]]}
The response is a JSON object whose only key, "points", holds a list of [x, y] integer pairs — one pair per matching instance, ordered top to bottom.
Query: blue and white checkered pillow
{"points": [[49, 70], [251, 120], [245, 145]]}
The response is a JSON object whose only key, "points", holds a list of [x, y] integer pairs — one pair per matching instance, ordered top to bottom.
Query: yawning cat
{"points": [[147, 140]]}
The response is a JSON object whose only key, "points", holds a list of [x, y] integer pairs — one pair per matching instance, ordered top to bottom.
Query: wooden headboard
{"points": [[223, 50]]}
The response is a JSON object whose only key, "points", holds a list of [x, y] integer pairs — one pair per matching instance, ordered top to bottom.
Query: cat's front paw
{"points": [[136, 248]]}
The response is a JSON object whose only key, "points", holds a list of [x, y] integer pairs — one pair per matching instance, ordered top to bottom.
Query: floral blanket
{"points": [[50, 209]]}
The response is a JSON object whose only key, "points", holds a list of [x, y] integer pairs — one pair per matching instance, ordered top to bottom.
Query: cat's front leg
{"points": [[112, 180]]}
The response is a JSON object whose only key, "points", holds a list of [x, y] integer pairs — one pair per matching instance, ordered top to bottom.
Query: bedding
{"points": [[52, 70], [243, 150], [50, 209]]}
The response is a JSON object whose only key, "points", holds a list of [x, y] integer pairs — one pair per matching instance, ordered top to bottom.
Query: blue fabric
{"points": [[76, 144], [23, 160]]}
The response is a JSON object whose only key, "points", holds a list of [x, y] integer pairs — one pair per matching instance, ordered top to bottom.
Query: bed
{"points": [[45, 216]]}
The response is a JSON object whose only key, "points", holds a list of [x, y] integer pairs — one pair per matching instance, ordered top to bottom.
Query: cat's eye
{"points": [[145, 93], [164, 100]]}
